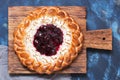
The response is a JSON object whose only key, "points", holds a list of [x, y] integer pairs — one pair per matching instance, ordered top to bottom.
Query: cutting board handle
{"points": [[99, 39]]}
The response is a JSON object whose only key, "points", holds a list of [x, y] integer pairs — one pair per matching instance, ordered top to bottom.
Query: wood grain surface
{"points": [[100, 39]]}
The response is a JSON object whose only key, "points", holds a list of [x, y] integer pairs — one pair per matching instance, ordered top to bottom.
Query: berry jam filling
{"points": [[47, 39]]}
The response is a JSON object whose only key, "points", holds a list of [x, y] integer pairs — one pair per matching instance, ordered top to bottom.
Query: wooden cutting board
{"points": [[99, 39]]}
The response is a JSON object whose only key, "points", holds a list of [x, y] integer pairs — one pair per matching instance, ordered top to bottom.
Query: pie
{"points": [[47, 40]]}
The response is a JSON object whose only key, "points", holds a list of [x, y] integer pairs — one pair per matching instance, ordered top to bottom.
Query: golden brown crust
{"points": [[63, 60]]}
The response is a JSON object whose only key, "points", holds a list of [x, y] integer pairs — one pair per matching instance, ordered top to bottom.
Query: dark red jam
{"points": [[48, 39]]}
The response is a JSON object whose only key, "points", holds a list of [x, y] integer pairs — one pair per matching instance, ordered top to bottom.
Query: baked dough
{"points": [[68, 50]]}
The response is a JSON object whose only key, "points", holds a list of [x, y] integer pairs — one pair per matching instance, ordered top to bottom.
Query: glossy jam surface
{"points": [[48, 39]]}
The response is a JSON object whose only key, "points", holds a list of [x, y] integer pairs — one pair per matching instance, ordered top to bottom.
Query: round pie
{"points": [[47, 40]]}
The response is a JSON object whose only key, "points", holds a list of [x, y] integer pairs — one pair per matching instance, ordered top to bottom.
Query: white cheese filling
{"points": [[32, 29]]}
